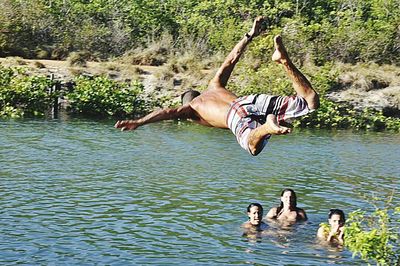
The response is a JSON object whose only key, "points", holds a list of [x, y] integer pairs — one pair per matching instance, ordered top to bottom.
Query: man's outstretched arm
{"points": [[225, 70], [183, 112]]}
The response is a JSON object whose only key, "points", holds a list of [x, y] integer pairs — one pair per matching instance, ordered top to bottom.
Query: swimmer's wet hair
{"points": [[188, 96], [254, 204], [338, 212]]}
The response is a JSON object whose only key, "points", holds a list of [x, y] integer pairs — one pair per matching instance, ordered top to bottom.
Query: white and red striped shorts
{"points": [[249, 112]]}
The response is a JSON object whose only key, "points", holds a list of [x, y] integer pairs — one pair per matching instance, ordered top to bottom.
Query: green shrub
{"points": [[21, 95], [103, 96], [334, 115], [375, 237]]}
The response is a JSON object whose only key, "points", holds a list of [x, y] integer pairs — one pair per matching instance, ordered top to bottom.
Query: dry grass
{"points": [[155, 53], [42, 54], [78, 59], [14, 61], [38, 64], [112, 66], [75, 71], [368, 77]]}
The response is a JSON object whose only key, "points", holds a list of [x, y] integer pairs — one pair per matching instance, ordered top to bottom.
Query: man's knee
{"points": [[312, 101], [255, 144], [253, 150]]}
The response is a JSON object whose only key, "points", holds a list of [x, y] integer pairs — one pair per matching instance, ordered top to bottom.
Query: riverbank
{"points": [[158, 81], [360, 86]]}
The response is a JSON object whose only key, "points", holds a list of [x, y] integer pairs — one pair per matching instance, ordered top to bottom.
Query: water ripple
{"points": [[79, 192]]}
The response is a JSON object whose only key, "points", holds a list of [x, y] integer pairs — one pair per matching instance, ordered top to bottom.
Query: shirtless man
{"points": [[254, 118], [287, 212]]}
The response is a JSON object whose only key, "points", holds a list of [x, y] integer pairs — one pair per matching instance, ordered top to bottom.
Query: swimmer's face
{"points": [[288, 198], [255, 214], [335, 220]]}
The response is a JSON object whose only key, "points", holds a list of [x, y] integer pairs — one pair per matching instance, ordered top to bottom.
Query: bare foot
{"points": [[258, 26], [280, 55], [272, 127]]}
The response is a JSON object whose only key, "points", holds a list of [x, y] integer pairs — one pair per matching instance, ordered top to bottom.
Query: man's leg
{"points": [[224, 72], [300, 83], [257, 136]]}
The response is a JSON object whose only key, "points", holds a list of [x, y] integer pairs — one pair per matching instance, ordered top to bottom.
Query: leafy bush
{"points": [[319, 31], [21, 95], [103, 96], [333, 115], [376, 236]]}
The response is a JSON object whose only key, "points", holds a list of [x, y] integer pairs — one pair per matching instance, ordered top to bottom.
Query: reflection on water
{"points": [[80, 192]]}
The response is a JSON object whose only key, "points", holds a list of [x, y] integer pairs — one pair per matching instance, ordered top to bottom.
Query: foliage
{"points": [[319, 31], [269, 79], [21, 95], [103, 96], [334, 115], [376, 236]]}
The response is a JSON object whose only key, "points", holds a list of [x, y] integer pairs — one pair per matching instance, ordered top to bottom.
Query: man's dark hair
{"points": [[188, 96], [255, 204], [338, 212]]}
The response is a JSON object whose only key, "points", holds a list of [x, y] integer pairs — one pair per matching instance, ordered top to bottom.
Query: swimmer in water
{"points": [[287, 211], [255, 214], [333, 232]]}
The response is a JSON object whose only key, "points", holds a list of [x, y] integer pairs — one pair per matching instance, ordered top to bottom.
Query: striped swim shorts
{"points": [[249, 112]]}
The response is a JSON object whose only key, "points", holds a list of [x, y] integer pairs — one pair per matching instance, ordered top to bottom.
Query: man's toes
{"points": [[284, 130]]}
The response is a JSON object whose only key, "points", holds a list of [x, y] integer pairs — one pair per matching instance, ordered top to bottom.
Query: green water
{"points": [[79, 192]]}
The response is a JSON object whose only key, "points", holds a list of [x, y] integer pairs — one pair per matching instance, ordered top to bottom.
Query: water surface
{"points": [[80, 192]]}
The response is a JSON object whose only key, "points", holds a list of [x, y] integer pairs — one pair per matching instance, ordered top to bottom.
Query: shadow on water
{"points": [[77, 191]]}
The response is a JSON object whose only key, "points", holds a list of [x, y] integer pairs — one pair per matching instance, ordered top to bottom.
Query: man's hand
{"points": [[257, 27], [126, 125], [335, 229], [341, 232]]}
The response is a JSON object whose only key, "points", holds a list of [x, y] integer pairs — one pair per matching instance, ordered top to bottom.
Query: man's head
{"points": [[188, 96], [288, 197], [255, 213], [336, 217]]}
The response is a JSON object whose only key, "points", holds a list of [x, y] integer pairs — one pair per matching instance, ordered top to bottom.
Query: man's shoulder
{"points": [[272, 211]]}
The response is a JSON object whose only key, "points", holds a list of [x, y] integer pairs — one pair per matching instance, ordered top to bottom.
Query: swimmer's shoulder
{"points": [[272, 213], [301, 213]]}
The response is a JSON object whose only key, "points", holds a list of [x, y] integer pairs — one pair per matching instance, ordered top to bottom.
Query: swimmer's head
{"points": [[188, 96], [288, 197], [255, 213], [336, 216]]}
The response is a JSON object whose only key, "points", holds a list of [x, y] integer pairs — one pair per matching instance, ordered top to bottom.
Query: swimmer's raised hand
{"points": [[126, 125]]}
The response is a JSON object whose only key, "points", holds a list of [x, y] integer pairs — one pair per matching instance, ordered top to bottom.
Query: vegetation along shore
{"points": [[123, 59]]}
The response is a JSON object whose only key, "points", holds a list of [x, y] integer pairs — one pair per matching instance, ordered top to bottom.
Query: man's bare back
{"points": [[211, 107]]}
